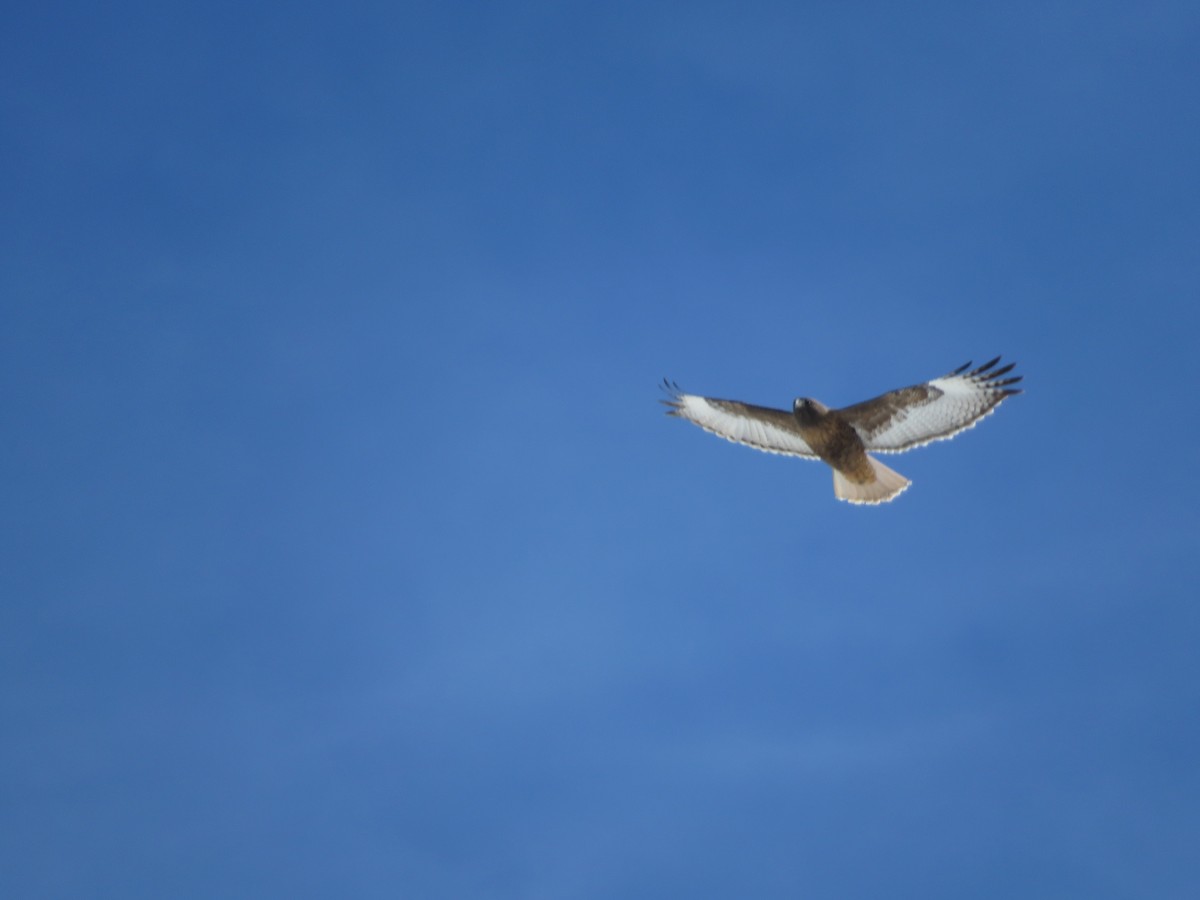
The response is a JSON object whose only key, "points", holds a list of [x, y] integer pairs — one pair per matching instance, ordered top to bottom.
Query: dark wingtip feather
{"points": [[987, 365], [962, 368], [1003, 370], [671, 389]]}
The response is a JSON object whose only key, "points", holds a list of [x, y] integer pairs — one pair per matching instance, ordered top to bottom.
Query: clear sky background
{"points": [[346, 551]]}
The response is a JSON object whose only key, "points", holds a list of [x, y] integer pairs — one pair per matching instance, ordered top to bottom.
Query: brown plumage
{"points": [[833, 439], [856, 477]]}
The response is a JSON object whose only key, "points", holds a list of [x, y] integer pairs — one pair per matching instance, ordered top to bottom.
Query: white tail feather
{"points": [[888, 485]]}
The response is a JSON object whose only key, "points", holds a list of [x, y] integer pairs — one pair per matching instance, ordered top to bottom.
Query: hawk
{"points": [[890, 423]]}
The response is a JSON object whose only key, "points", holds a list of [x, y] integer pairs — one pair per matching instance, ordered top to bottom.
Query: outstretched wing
{"points": [[912, 416], [769, 430]]}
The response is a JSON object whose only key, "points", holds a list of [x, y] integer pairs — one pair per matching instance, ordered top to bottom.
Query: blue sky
{"points": [[346, 551]]}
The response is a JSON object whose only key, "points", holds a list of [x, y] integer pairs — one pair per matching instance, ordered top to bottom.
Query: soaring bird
{"points": [[890, 423]]}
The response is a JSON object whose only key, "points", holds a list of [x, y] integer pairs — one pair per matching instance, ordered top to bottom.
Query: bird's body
{"points": [[891, 423], [832, 438], [857, 477]]}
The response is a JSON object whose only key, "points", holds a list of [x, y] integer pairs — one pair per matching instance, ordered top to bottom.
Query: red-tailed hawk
{"points": [[891, 423]]}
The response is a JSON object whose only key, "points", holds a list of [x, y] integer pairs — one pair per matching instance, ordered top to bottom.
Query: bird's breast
{"points": [[837, 443]]}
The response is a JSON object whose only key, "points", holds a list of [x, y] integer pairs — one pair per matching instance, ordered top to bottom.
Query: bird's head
{"points": [[806, 409]]}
